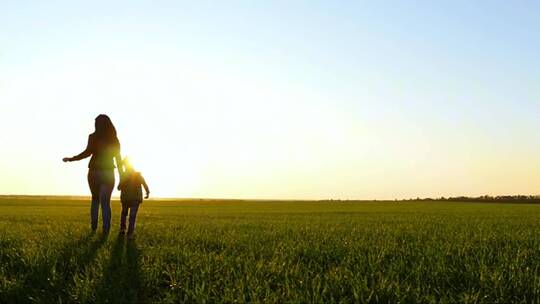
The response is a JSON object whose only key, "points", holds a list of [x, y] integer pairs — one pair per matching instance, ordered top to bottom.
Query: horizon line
{"points": [[533, 196]]}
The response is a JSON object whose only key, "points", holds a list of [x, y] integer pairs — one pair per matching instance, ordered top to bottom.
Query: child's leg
{"points": [[123, 216], [132, 217]]}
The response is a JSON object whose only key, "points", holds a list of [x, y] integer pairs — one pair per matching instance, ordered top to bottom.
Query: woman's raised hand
{"points": [[66, 159]]}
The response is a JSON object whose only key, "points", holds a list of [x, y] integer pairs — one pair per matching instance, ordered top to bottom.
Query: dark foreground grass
{"points": [[222, 251]]}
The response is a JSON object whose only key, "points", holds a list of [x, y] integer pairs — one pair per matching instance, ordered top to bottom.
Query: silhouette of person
{"points": [[104, 147], [131, 196]]}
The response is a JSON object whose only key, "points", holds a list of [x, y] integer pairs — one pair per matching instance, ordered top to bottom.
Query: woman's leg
{"points": [[93, 183], [105, 191], [132, 217]]}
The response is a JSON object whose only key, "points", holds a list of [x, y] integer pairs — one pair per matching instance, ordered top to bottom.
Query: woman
{"points": [[104, 147]]}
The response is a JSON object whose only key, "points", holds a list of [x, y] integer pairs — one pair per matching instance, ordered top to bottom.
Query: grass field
{"points": [[226, 251]]}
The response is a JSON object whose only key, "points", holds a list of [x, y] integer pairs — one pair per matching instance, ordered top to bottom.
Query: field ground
{"points": [[225, 251]]}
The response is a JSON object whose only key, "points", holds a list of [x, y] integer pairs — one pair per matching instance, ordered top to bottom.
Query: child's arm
{"points": [[143, 182], [121, 183]]}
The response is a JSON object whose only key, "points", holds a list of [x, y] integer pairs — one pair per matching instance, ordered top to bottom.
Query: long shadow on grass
{"points": [[50, 278], [121, 282]]}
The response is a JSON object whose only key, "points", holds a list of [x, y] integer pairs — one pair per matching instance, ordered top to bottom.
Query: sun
{"points": [[167, 176]]}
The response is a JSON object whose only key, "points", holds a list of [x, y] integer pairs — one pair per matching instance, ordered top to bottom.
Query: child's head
{"points": [[128, 167]]}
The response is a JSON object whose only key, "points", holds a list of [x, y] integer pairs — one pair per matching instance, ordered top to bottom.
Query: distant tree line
{"points": [[486, 198], [517, 199]]}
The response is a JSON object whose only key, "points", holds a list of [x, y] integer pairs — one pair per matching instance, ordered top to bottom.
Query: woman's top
{"points": [[102, 152]]}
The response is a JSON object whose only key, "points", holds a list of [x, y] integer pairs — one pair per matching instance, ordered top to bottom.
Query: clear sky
{"points": [[275, 99]]}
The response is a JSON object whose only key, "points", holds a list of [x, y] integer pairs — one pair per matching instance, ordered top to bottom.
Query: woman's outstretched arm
{"points": [[84, 154]]}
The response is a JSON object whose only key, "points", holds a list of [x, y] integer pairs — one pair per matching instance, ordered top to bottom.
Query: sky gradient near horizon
{"points": [[276, 99]]}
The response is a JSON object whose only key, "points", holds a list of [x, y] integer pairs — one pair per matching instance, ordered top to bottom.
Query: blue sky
{"points": [[334, 98]]}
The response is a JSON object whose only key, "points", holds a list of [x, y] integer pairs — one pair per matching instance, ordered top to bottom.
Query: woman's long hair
{"points": [[105, 130]]}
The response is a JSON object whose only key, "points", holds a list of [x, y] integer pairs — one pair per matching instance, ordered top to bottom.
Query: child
{"points": [[130, 196]]}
